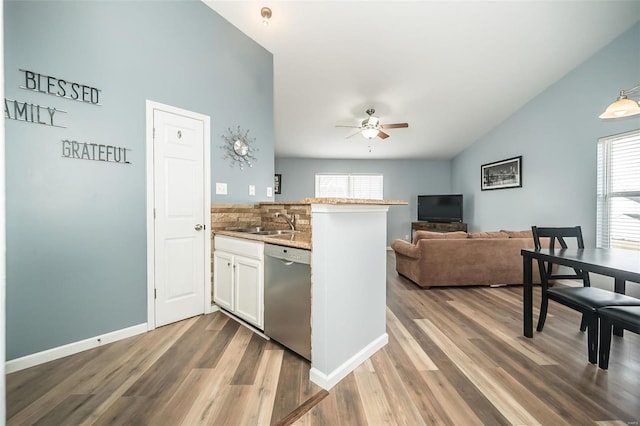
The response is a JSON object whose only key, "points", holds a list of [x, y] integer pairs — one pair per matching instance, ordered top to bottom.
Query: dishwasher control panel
{"points": [[288, 253]]}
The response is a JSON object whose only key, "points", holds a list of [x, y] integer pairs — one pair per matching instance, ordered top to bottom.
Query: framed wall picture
{"points": [[502, 174], [277, 184]]}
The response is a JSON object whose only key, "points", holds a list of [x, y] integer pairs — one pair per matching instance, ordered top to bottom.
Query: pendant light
{"points": [[623, 107]]}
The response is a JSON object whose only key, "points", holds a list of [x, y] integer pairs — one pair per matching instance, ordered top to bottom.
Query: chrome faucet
{"points": [[291, 222]]}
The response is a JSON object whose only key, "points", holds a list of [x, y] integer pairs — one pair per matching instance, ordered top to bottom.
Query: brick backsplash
{"points": [[233, 216]]}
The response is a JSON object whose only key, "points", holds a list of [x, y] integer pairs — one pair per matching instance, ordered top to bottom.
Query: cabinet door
{"points": [[223, 279], [249, 295]]}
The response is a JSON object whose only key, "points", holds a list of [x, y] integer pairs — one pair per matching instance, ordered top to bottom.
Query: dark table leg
{"points": [[619, 287], [527, 296]]}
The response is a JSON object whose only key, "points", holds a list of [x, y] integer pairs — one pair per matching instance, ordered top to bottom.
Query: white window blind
{"points": [[343, 185], [618, 215]]}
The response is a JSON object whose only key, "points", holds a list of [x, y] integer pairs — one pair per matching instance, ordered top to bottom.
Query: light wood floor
{"points": [[455, 356]]}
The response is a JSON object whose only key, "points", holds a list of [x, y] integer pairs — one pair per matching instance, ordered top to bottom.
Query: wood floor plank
{"points": [[503, 333], [416, 354], [211, 357], [248, 368], [92, 373], [32, 384], [553, 391], [420, 393], [262, 396], [288, 396], [397, 396], [446, 396], [374, 400], [348, 401], [207, 404], [174, 409], [127, 410], [69, 411], [514, 411]]}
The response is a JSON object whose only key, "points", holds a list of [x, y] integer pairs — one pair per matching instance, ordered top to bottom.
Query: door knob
{"points": [[198, 227]]}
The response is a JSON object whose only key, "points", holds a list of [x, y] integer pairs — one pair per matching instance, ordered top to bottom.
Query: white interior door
{"points": [[180, 228]]}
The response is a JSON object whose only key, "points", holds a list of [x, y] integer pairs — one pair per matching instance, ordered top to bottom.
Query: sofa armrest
{"points": [[406, 249]]}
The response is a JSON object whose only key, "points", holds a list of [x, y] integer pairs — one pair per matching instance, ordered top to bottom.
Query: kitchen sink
{"points": [[261, 231], [275, 232]]}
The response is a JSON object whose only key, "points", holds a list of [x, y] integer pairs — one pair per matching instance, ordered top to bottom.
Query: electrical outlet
{"points": [[221, 188], [252, 190], [269, 191], [406, 237]]}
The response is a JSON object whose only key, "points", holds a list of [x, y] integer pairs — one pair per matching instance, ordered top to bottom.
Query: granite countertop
{"points": [[310, 200], [300, 240]]}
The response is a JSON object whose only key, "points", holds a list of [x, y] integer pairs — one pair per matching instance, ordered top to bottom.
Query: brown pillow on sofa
{"points": [[496, 234], [518, 234], [429, 235]]}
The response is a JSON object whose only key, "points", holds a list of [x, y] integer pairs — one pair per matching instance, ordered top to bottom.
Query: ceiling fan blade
{"points": [[394, 126], [353, 127], [382, 135], [350, 136]]}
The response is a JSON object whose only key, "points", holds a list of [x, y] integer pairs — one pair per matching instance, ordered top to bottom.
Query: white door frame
{"points": [[151, 254]]}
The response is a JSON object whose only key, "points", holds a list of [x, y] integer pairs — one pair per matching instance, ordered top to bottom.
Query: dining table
{"points": [[620, 264]]}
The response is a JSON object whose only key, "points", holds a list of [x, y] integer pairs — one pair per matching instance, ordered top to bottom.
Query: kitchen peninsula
{"points": [[347, 239]]}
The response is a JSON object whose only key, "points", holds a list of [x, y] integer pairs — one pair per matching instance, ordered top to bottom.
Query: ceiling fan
{"points": [[371, 127]]}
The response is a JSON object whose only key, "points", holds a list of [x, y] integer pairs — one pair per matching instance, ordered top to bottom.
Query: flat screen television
{"points": [[440, 208]]}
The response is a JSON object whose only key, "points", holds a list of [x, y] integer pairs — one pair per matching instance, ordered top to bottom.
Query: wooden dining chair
{"points": [[558, 235], [585, 299]]}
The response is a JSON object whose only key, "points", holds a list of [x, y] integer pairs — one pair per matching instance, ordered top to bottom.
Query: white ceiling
{"points": [[452, 69]]}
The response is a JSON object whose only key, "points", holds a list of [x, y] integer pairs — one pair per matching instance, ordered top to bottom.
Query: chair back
{"points": [[557, 234]]}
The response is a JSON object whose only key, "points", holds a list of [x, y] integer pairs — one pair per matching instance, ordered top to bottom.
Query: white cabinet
{"points": [[238, 278]]}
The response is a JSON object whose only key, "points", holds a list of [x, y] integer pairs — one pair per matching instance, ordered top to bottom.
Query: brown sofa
{"points": [[461, 259]]}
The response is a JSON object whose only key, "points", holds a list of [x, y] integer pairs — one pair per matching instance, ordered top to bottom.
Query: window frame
{"points": [[349, 190], [605, 194]]}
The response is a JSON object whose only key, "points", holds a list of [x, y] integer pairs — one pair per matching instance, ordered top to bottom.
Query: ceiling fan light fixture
{"points": [[623, 107], [370, 132]]}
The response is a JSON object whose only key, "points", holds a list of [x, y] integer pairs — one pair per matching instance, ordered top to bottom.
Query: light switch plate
{"points": [[221, 188], [252, 190], [269, 191]]}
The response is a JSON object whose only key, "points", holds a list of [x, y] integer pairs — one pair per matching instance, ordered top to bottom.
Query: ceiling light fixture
{"points": [[265, 12], [623, 107], [370, 125], [370, 132]]}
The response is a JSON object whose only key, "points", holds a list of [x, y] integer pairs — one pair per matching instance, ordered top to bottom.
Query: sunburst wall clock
{"points": [[239, 148]]}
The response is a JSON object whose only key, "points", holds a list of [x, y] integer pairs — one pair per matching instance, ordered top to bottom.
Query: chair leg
{"points": [[543, 313], [583, 323], [618, 331], [592, 337], [605, 343]]}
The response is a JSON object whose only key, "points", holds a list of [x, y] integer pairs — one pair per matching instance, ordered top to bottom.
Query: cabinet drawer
{"points": [[247, 248]]}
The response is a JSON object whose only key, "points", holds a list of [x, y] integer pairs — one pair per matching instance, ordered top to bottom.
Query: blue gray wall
{"points": [[556, 134], [403, 180], [76, 230]]}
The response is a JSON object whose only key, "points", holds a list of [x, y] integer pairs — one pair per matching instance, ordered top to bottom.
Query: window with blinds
{"points": [[342, 185], [618, 216]]}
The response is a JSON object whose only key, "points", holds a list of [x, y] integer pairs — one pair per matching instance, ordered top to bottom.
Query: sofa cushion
{"points": [[496, 234], [518, 234], [429, 235]]}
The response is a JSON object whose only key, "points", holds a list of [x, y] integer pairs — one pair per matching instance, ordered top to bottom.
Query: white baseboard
{"points": [[72, 348], [327, 381]]}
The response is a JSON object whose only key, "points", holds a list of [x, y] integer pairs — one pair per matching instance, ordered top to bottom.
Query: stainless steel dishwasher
{"points": [[287, 297]]}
